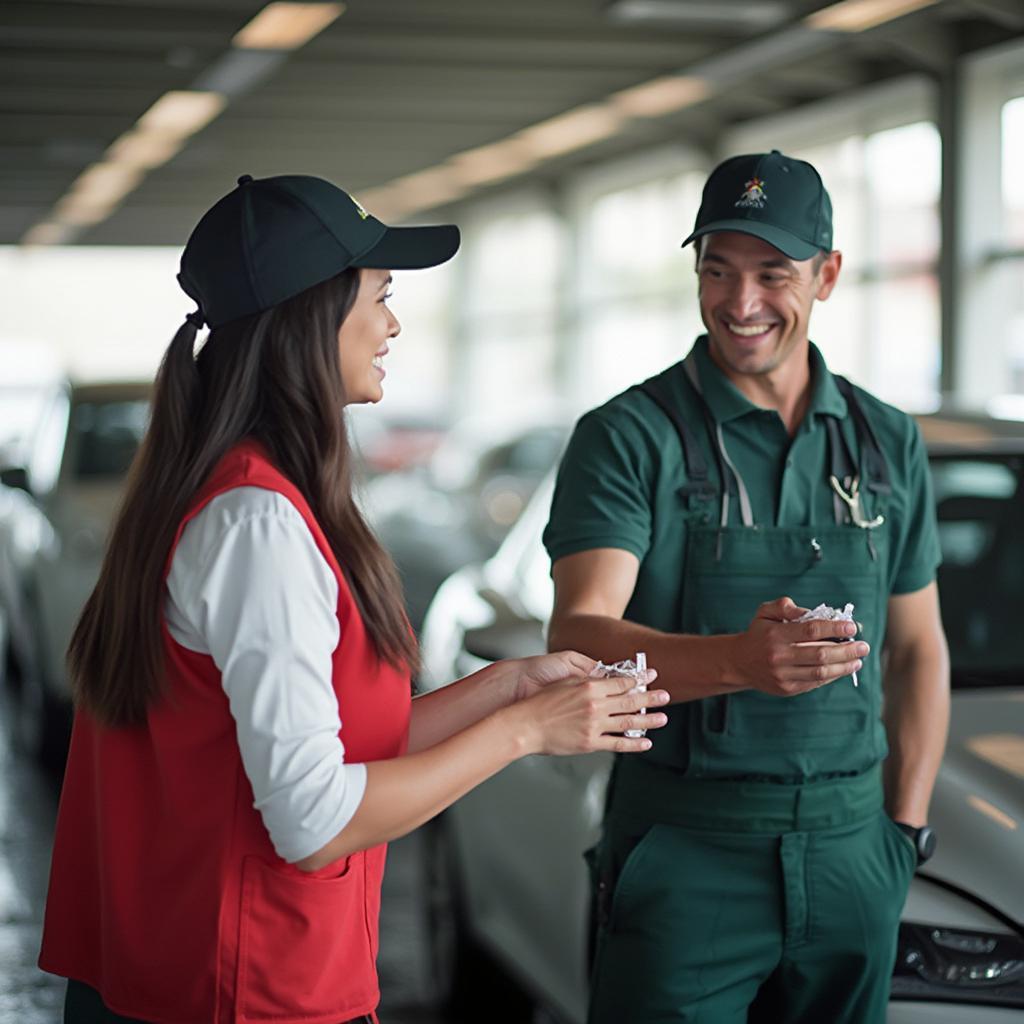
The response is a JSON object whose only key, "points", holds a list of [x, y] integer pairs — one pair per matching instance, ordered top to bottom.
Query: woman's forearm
{"points": [[444, 712], [575, 716], [402, 793]]}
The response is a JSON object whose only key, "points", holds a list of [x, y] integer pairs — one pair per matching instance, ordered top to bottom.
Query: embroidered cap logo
{"points": [[753, 194], [362, 213]]}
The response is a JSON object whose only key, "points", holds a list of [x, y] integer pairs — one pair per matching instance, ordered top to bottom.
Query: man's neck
{"points": [[786, 389]]}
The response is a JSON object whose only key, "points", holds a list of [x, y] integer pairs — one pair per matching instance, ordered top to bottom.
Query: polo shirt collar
{"points": [[727, 402]]}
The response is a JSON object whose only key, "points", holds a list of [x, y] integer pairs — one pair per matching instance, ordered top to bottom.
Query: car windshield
{"points": [[106, 436], [980, 505]]}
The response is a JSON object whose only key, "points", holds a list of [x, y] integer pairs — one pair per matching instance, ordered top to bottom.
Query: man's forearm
{"points": [[689, 667], [917, 721]]}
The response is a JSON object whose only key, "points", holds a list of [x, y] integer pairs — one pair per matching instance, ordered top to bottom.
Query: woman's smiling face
{"points": [[363, 338]]}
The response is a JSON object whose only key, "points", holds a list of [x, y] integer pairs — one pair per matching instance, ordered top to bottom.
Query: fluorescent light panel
{"points": [[700, 13], [858, 15], [286, 26], [661, 96], [182, 113], [574, 130], [144, 149], [487, 164], [105, 183], [432, 187], [49, 233]]}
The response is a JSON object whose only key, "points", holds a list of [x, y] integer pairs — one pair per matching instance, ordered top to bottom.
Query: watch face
{"points": [[926, 843]]}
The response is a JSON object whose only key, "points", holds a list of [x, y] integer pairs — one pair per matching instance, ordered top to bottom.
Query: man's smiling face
{"points": [[756, 302]]}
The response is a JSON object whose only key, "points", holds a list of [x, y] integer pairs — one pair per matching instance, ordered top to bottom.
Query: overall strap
{"points": [[874, 461], [696, 467], [735, 481]]}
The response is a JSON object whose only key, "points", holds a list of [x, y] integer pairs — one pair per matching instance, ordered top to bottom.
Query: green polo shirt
{"points": [[618, 484]]}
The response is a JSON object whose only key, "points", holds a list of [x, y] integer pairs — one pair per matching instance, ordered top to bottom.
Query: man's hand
{"points": [[784, 658]]}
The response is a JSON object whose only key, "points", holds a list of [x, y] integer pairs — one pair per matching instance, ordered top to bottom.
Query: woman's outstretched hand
{"points": [[531, 675], [579, 716]]}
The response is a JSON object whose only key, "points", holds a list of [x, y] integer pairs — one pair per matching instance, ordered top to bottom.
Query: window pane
{"points": [[1013, 161], [841, 166], [903, 176], [631, 238], [1013, 271], [638, 288], [627, 342], [906, 353], [505, 362]]}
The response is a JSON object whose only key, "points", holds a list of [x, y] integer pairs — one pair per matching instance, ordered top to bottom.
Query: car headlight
{"points": [[956, 965]]}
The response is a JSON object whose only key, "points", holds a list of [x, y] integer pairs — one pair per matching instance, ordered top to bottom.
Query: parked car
{"points": [[21, 410], [458, 507], [56, 508], [506, 869]]}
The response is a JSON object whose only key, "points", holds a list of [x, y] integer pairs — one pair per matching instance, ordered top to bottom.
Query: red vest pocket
{"points": [[303, 944]]}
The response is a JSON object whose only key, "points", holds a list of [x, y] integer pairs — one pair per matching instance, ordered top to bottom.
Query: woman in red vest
{"points": [[245, 742]]}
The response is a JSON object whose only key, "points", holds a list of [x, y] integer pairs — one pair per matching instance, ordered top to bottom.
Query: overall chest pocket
{"points": [[725, 599]]}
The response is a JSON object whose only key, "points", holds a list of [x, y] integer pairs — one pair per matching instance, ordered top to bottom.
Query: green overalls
{"points": [[747, 865]]}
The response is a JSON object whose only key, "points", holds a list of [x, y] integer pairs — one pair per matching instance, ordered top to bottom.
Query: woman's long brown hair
{"points": [[274, 377]]}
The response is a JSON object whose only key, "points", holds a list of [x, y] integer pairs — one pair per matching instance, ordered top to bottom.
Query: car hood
{"points": [[978, 805]]}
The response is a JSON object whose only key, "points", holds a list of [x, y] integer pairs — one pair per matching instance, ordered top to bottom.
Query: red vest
{"points": [[166, 894]]}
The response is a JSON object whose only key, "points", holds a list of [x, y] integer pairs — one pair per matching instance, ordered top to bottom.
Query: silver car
{"points": [[56, 508], [507, 877]]}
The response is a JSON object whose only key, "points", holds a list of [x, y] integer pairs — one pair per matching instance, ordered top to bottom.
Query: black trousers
{"points": [[83, 1005]]}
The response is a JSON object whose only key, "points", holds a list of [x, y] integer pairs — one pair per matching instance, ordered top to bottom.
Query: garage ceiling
{"points": [[396, 86]]}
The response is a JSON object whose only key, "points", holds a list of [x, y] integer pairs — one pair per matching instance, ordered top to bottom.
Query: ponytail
{"points": [[175, 394], [115, 657]]}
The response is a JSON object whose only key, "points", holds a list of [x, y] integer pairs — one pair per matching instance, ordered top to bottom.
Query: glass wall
{"points": [[881, 163], [1012, 166], [636, 300]]}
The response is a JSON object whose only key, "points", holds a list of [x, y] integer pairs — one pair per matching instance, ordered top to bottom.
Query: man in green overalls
{"points": [[754, 864]]}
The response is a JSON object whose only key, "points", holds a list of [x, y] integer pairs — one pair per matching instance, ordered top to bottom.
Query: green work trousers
{"points": [[750, 905]]}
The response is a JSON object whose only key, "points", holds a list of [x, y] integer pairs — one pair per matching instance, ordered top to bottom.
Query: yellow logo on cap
{"points": [[362, 213]]}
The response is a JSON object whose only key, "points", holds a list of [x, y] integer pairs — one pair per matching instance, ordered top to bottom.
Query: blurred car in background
{"points": [[392, 445], [57, 501], [457, 508], [506, 872]]}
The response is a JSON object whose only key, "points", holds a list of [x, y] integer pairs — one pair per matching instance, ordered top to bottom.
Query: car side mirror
{"points": [[15, 476]]}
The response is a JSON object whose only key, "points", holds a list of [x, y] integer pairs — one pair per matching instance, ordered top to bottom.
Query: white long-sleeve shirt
{"points": [[249, 587]]}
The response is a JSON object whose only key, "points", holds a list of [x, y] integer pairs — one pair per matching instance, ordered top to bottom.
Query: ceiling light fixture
{"points": [[752, 14], [858, 15], [286, 26], [661, 96], [182, 112], [567, 132], [144, 149], [487, 164], [105, 183], [433, 187], [80, 212], [48, 233]]}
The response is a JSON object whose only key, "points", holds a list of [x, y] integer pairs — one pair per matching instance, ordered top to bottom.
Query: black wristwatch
{"points": [[923, 838]]}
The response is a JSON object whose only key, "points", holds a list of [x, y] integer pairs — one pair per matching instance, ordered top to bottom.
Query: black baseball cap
{"points": [[771, 196], [271, 238]]}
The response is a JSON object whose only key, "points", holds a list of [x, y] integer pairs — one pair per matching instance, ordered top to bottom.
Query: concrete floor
{"points": [[28, 806]]}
